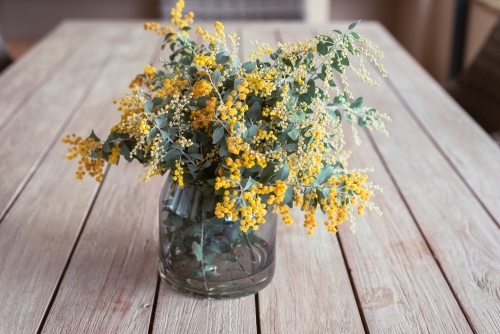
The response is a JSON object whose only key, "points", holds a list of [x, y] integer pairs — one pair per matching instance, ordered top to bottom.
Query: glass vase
{"points": [[209, 257]]}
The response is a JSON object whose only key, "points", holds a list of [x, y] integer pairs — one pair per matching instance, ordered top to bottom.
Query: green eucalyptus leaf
{"points": [[353, 25], [355, 35], [322, 48], [186, 60], [222, 60], [235, 60], [345, 61], [249, 66], [192, 70], [216, 77], [237, 82], [311, 89], [306, 98], [157, 101], [202, 101], [357, 104], [148, 106], [255, 111], [160, 121], [172, 130], [251, 131], [151, 134], [218, 134], [294, 134], [164, 135], [93, 136], [106, 147], [291, 147], [125, 151], [223, 151], [171, 155], [197, 156], [193, 168], [283, 172], [267, 173], [323, 176], [250, 182], [288, 195], [208, 203], [232, 233], [197, 251], [209, 258]]}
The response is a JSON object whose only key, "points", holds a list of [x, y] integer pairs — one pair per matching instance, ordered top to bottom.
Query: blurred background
{"points": [[447, 37]]}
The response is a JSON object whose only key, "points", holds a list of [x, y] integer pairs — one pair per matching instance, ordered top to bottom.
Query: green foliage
{"points": [[248, 132]]}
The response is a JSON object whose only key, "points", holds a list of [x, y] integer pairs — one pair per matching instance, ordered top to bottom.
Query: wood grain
{"points": [[20, 81], [47, 112], [472, 152], [38, 233], [461, 235], [108, 283], [109, 286], [400, 287], [311, 291], [176, 313], [180, 314]]}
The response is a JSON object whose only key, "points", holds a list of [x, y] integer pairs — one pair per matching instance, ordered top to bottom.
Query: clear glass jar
{"points": [[209, 257]]}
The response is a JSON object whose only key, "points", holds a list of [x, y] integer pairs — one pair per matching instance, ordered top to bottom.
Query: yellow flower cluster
{"points": [[176, 14], [157, 28], [219, 34], [204, 60], [149, 71], [262, 84], [172, 86], [201, 88], [131, 107], [233, 111], [203, 117], [258, 121], [144, 128], [263, 135], [83, 147], [115, 154], [178, 172], [253, 212], [337, 212], [285, 214]]}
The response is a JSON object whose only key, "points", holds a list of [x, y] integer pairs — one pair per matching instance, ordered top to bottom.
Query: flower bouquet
{"points": [[240, 140]]}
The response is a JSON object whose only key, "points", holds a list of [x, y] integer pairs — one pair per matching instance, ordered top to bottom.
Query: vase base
{"points": [[216, 290]]}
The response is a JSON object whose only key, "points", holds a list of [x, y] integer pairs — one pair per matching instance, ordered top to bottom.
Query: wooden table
{"points": [[81, 257]]}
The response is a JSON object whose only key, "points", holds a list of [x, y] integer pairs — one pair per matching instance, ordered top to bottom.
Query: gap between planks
{"points": [[46, 271], [469, 279]]}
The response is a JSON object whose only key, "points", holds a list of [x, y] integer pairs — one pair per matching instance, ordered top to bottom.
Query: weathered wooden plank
{"points": [[22, 79], [47, 112], [473, 153], [39, 231], [461, 235], [110, 284], [399, 284], [401, 288], [310, 291], [289, 304], [176, 313]]}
